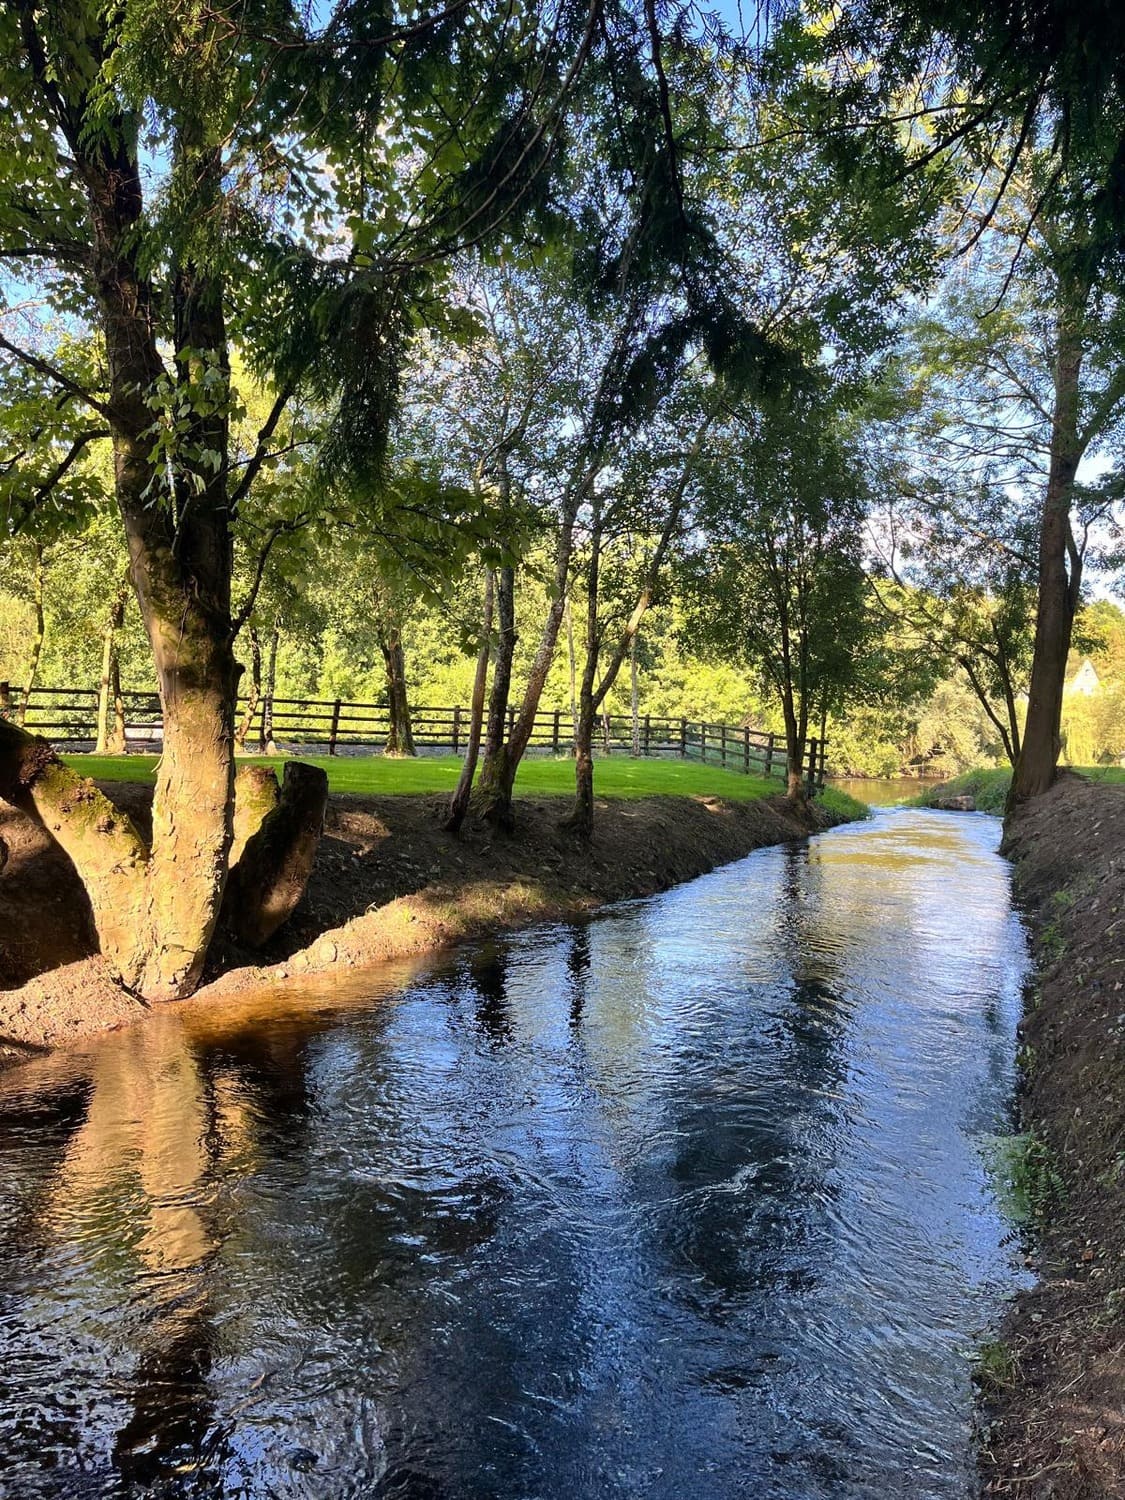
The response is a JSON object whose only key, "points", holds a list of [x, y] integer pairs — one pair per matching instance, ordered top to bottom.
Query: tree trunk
{"points": [[1058, 590], [573, 669], [31, 676], [253, 698], [634, 699], [265, 736], [400, 736], [111, 742], [794, 753], [256, 794], [493, 794], [459, 802], [192, 807], [580, 819], [102, 844], [270, 877]]}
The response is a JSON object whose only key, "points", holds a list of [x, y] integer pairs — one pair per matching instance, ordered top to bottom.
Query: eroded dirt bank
{"points": [[388, 882], [1057, 1384]]}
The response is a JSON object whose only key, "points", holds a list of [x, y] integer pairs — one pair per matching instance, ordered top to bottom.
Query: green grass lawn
{"points": [[617, 776], [989, 789]]}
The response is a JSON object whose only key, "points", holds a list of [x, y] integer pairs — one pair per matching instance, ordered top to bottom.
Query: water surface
{"points": [[687, 1201]]}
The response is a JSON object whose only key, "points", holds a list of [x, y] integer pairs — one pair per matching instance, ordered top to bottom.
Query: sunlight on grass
{"points": [[542, 776]]}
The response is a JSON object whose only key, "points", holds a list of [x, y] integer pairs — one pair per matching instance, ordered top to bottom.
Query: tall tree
{"points": [[311, 179], [778, 580]]}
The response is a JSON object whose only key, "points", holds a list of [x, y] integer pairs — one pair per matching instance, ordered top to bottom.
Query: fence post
{"points": [[334, 727], [457, 730], [555, 732], [648, 738], [683, 739], [703, 741], [723, 744], [746, 752], [769, 756], [813, 756]]}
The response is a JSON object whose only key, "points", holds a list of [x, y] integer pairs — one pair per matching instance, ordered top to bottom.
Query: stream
{"points": [[687, 1201]]}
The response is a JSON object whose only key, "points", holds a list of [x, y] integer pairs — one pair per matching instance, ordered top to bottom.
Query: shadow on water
{"points": [[684, 1201]]}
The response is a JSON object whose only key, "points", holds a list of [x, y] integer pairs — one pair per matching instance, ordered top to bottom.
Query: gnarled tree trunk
{"points": [[106, 850]]}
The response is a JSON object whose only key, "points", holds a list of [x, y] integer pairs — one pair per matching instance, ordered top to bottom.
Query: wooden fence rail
{"points": [[68, 716]]}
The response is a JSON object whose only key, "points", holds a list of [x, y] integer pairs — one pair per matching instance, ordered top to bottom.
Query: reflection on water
{"points": [[886, 791], [684, 1202]]}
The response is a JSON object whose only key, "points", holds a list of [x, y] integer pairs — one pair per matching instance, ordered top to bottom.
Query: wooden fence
{"points": [[68, 717]]}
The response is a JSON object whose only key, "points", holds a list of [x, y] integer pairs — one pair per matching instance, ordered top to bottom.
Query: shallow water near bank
{"points": [[686, 1201]]}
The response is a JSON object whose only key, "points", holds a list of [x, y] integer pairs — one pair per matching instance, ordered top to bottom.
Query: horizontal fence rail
{"points": [[68, 717]]}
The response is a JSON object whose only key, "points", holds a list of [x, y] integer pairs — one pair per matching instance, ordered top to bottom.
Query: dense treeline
{"points": [[556, 348], [932, 726]]}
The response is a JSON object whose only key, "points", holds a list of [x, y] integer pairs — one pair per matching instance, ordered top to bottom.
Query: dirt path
{"points": [[388, 882], [1058, 1390]]}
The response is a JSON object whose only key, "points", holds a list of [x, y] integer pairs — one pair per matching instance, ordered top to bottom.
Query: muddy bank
{"points": [[389, 882], [1056, 1385]]}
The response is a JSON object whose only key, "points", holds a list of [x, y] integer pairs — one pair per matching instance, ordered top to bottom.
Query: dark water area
{"points": [[687, 1201]]}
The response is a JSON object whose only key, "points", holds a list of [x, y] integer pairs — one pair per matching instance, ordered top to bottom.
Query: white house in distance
{"points": [[1085, 681]]}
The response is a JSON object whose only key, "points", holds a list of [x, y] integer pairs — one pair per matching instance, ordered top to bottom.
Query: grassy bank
{"points": [[540, 776], [989, 788]]}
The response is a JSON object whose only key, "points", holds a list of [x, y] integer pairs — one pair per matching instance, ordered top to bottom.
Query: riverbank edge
{"points": [[389, 883], [1053, 1381]]}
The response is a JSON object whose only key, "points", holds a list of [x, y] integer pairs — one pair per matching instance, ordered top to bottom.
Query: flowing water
{"points": [[687, 1201]]}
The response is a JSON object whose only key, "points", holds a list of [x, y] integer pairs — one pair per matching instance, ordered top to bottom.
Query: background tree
{"points": [[780, 581]]}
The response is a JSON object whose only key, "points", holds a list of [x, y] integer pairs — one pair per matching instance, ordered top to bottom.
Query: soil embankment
{"points": [[388, 882], [1058, 1398]]}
